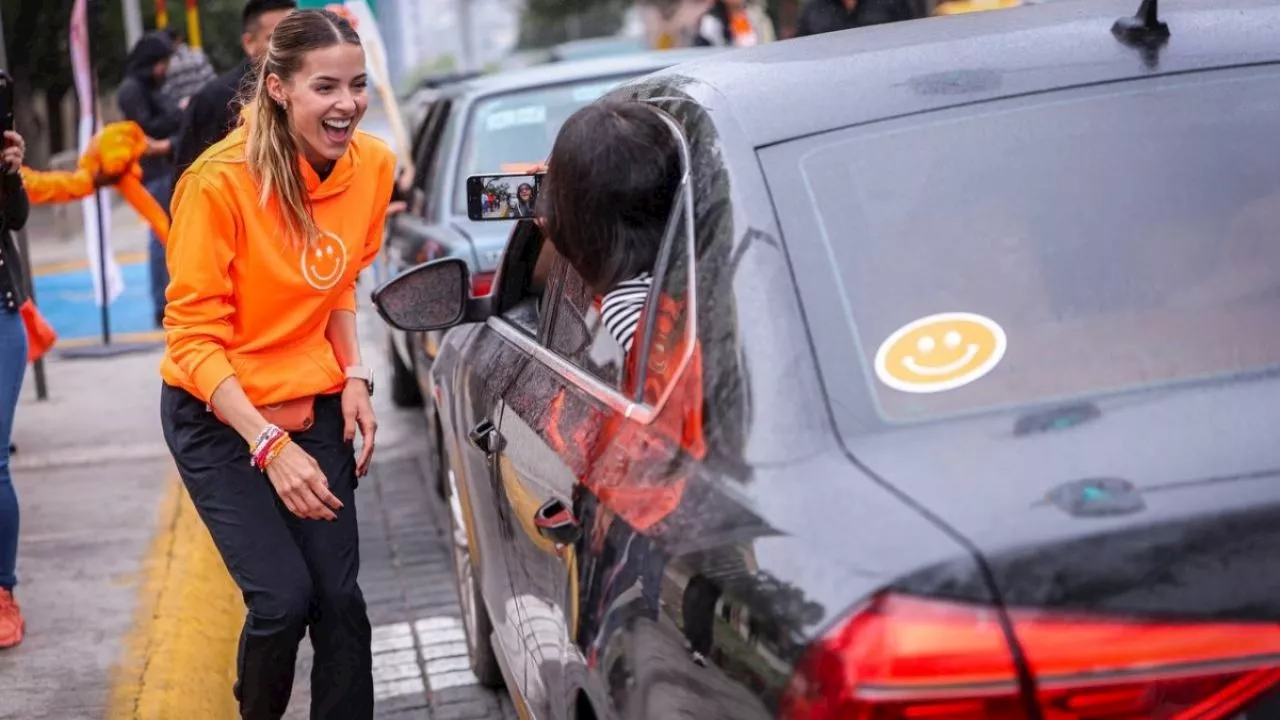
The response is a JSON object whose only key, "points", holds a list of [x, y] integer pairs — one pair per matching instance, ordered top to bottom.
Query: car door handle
{"points": [[486, 438], [556, 523]]}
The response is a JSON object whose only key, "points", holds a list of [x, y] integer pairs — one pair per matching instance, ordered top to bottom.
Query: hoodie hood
{"points": [[151, 49]]}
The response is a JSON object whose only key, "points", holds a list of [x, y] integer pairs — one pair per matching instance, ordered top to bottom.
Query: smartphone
{"points": [[6, 101], [502, 197]]}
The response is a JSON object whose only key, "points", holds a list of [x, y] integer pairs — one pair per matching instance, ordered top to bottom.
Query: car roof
{"points": [[557, 73], [800, 87]]}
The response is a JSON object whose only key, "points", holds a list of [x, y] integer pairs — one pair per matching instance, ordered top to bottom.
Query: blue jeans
{"points": [[161, 188], [13, 365]]}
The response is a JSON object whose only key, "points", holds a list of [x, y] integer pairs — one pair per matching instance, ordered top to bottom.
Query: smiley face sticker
{"points": [[940, 352]]}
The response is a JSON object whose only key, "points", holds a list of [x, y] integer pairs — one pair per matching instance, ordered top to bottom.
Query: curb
{"points": [[179, 658]]}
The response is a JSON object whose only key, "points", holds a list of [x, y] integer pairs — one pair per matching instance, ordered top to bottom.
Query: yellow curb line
{"points": [[65, 266], [138, 337], [179, 657]]}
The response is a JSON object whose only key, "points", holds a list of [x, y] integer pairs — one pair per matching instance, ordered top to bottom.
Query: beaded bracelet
{"points": [[266, 440], [274, 451]]}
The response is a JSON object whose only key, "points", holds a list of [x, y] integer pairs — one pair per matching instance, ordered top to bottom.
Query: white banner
{"points": [[375, 52], [88, 106]]}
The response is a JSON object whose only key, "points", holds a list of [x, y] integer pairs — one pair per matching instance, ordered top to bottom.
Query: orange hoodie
{"points": [[241, 299]]}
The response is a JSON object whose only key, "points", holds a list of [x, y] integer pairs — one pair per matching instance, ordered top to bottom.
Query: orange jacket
{"points": [[242, 300]]}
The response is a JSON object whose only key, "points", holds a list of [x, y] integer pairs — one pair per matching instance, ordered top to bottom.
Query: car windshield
{"points": [[506, 133], [1064, 245]]}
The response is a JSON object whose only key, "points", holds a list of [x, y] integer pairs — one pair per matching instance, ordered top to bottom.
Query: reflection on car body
{"points": [[1086, 531]]}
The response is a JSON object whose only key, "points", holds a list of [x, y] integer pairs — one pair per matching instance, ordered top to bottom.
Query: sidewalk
{"points": [[130, 611]]}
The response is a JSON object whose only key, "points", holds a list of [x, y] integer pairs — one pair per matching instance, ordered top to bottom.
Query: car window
{"points": [[518, 128], [1062, 245], [577, 333]]}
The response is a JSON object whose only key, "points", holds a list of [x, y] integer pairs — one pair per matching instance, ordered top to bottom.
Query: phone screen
{"points": [[502, 197]]}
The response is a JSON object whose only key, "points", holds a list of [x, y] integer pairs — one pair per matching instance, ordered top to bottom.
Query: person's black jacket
{"points": [[824, 16], [142, 99], [214, 111], [13, 217]]}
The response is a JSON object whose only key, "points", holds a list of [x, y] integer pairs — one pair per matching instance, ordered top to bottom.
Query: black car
{"points": [[470, 125], [956, 397]]}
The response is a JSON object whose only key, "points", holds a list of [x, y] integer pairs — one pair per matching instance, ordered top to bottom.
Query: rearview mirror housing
{"points": [[431, 296]]}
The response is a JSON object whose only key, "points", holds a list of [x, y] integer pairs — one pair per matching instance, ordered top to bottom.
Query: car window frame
{"points": [[634, 407]]}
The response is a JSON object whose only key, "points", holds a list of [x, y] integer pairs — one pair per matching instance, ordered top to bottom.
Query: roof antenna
{"points": [[1144, 29]]}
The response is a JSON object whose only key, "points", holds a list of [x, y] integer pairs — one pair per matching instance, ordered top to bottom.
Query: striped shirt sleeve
{"points": [[620, 310]]}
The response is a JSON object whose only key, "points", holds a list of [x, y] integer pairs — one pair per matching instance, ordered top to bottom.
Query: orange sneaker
{"points": [[11, 622]]}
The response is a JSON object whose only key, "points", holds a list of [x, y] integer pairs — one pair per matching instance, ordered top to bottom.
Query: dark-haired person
{"points": [[143, 100], [215, 109], [609, 188], [604, 204], [523, 205], [264, 385]]}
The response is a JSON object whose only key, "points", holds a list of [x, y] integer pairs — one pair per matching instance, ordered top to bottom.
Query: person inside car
{"points": [[609, 188]]}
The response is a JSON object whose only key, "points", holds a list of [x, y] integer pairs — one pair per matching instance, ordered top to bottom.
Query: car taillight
{"points": [[481, 284], [904, 658]]}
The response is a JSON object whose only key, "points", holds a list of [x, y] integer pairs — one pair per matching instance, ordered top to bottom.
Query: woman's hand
{"points": [[14, 153], [357, 412], [302, 486]]}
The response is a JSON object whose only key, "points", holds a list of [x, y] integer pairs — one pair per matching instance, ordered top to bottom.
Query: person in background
{"points": [[824, 16], [733, 23], [189, 70], [142, 99], [215, 109], [13, 365], [264, 382]]}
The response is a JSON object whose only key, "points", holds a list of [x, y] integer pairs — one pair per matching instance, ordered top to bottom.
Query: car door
{"points": [[538, 469]]}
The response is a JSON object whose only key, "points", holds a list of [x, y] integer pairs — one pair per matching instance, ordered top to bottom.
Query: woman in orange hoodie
{"points": [[264, 382]]}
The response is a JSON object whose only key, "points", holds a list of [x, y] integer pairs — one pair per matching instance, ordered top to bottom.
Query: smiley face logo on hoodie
{"points": [[325, 262]]}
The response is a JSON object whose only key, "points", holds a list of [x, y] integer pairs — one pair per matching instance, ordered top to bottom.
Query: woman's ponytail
{"points": [[272, 156]]}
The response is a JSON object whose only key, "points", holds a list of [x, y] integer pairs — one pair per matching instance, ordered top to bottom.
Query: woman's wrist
{"points": [[268, 446]]}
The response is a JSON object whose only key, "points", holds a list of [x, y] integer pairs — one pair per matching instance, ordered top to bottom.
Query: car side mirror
{"points": [[432, 296]]}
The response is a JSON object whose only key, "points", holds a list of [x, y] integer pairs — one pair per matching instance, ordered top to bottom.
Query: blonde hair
{"points": [[272, 151]]}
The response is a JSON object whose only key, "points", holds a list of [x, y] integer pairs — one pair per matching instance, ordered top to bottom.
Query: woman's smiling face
{"points": [[326, 100]]}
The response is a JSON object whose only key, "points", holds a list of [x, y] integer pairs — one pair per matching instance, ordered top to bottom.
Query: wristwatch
{"points": [[360, 372]]}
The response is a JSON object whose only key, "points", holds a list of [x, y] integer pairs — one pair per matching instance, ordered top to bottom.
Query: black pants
{"points": [[294, 573]]}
